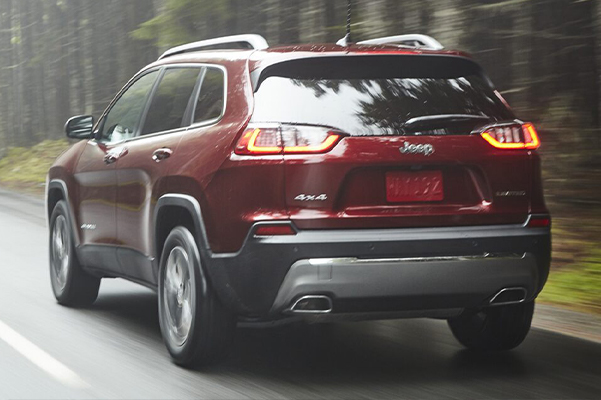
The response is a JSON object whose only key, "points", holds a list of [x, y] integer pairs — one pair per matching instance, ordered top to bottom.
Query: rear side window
{"points": [[377, 96], [211, 98], [170, 100]]}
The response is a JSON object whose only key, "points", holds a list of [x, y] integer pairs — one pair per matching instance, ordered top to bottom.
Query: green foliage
{"points": [[181, 21], [29, 165], [578, 286]]}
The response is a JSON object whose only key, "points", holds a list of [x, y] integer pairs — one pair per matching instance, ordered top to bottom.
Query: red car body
{"points": [[122, 211]]}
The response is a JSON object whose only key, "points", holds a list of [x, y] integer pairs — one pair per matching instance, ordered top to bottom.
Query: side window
{"points": [[211, 98], [170, 101], [123, 118]]}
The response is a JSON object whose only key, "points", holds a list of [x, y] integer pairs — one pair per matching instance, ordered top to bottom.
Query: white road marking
{"points": [[40, 358]]}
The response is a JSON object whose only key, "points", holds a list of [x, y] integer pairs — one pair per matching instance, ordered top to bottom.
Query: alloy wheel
{"points": [[177, 296]]}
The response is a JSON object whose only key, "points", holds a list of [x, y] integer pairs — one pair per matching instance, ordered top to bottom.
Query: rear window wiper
{"points": [[434, 119]]}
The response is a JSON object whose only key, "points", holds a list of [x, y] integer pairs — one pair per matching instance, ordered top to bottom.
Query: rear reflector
{"points": [[512, 136], [287, 139], [539, 222], [274, 230]]}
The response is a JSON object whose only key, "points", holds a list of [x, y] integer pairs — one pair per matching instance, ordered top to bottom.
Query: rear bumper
{"points": [[381, 271], [413, 283]]}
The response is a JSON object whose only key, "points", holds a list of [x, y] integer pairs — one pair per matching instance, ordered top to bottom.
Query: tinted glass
{"points": [[170, 100], [210, 100], [363, 106], [122, 120]]}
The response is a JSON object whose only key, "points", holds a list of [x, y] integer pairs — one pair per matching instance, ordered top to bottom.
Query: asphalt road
{"points": [[114, 349]]}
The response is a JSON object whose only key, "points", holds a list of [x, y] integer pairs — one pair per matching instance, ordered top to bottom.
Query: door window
{"points": [[211, 98], [170, 101], [122, 120]]}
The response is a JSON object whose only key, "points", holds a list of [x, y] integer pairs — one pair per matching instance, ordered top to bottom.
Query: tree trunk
{"points": [[597, 51], [6, 81], [25, 105]]}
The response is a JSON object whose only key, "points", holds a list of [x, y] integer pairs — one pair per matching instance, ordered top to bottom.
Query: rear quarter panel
{"points": [[233, 191]]}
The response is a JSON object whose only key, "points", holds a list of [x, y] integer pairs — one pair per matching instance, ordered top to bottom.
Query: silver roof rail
{"points": [[412, 40], [256, 42]]}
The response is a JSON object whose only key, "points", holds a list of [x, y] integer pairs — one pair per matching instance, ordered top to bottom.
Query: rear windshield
{"points": [[373, 96]]}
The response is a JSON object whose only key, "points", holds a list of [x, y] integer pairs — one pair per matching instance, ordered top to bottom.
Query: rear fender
{"points": [[216, 276]]}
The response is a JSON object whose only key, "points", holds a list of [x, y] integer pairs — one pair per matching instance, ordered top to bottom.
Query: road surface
{"points": [[114, 348]]}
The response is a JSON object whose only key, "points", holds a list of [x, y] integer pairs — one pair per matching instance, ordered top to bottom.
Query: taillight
{"points": [[514, 136], [287, 139], [260, 141]]}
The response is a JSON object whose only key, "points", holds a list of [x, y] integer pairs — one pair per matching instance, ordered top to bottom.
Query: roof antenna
{"points": [[346, 40]]}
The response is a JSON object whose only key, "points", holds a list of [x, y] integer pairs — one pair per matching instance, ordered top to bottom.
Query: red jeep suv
{"points": [[382, 179]]}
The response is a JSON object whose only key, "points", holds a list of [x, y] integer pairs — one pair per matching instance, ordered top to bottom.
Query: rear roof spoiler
{"points": [[320, 67]]}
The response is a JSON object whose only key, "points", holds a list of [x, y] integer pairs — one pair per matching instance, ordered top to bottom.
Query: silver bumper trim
{"points": [[355, 260], [457, 281]]}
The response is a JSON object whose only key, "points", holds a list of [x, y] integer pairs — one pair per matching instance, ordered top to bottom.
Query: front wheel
{"points": [[72, 286], [196, 328], [494, 328]]}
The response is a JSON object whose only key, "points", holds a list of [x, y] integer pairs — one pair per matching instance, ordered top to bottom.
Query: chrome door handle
{"points": [[160, 154]]}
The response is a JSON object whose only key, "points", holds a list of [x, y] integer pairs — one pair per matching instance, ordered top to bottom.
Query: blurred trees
{"points": [[64, 57]]}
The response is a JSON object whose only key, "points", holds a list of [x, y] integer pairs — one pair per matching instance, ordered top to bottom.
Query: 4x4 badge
{"points": [[425, 149], [311, 197]]}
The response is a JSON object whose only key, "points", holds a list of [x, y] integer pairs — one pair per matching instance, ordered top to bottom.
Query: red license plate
{"points": [[404, 186]]}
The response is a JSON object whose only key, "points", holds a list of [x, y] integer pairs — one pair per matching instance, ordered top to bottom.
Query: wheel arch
{"points": [[56, 190], [178, 209]]}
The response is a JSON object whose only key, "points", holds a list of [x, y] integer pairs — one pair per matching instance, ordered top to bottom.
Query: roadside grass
{"points": [[26, 167], [575, 278], [577, 286]]}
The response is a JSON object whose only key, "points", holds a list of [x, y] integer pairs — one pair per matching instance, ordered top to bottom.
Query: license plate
{"points": [[404, 186]]}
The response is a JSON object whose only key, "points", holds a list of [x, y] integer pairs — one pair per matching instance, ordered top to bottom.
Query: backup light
{"points": [[513, 136]]}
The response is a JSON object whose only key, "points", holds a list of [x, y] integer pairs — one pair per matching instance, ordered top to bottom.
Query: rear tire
{"points": [[72, 286], [196, 327], [494, 328]]}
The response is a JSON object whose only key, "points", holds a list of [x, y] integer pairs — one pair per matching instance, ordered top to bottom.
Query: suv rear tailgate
{"points": [[387, 172], [354, 179]]}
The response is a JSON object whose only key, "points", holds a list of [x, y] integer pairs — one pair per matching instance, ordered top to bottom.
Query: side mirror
{"points": [[80, 127]]}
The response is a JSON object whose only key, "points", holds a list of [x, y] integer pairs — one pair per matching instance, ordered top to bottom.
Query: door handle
{"points": [[114, 154], [160, 154]]}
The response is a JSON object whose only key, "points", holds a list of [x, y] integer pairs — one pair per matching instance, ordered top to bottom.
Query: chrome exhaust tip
{"points": [[507, 296], [312, 304]]}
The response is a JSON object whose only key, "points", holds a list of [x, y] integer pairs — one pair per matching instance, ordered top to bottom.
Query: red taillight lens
{"points": [[513, 136], [530, 136], [308, 139], [288, 140], [260, 141], [539, 222], [274, 230]]}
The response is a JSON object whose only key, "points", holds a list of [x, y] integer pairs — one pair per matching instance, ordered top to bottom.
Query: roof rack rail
{"points": [[412, 40], [253, 41]]}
